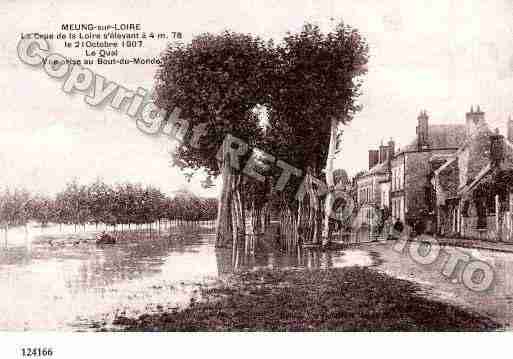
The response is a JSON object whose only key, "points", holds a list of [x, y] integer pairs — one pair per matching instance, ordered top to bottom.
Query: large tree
{"points": [[216, 81], [308, 84], [315, 90]]}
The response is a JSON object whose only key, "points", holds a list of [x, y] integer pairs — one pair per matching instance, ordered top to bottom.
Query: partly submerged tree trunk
{"points": [[330, 198], [238, 212], [299, 221], [255, 223], [312, 233], [289, 236]]}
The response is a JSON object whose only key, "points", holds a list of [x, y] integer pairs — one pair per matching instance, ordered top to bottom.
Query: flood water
{"points": [[50, 280]]}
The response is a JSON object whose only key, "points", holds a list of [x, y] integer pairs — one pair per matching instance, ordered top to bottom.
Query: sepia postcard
{"points": [[322, 167]]}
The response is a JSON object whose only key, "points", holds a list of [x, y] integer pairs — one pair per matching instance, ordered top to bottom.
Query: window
{"points": [[398, 178], [384, 197]]}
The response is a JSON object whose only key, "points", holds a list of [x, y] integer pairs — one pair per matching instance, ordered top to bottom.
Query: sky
{"points": [[441, 56]]}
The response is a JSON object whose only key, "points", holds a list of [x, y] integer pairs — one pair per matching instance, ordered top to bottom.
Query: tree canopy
{"points": [[305, 82]]}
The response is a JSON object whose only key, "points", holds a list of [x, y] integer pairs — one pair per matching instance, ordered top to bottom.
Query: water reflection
{"points": [[267, 256], [48, 287]]}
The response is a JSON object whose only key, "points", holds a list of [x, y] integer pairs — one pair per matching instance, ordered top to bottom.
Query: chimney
{"points": [[474, 120], [510, 129], [422, 131], [391, 149], [496, 149], [383, 153], [373, 158]]}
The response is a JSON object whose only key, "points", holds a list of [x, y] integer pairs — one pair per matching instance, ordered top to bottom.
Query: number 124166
{"points": [[37, 352]]}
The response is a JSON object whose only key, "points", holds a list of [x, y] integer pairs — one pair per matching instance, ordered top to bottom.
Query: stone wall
{"points": [[416, 177], [416, 181], [469, 229]]}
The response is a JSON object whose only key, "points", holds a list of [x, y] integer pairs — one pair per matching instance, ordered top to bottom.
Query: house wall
{"points": [[463, 158], [397, 173], [416, 175], [397, 185], [365, 187], [384, 189], [369, 190], [369, 196], [397, 207], [469, 228], [503, 230]]}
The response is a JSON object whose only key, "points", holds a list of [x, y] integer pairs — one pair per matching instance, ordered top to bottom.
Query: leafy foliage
{"points": [[215, 80], [302, 82], [101, 203]]}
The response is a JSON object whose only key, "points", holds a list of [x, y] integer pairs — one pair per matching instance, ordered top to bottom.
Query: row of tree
{"points": [[306, 85], [100, 203]]}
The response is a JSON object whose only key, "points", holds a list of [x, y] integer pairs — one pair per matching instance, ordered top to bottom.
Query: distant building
{"points": [[411, 168], [451, 179], [372, 185], [465, 185]]}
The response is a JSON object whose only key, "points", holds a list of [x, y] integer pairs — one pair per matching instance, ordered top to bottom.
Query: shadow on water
{"points": [[267, 255], [59, 287]]}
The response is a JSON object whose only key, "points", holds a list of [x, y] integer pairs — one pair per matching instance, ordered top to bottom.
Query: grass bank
{"points": [[345, 299]]}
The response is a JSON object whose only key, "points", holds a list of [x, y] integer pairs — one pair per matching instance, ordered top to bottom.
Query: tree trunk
{"points": [[330, 198], [242, 205], [237, 207], [256, 224], [224, 225], [299, 228], [312, 232], [289, 237]]}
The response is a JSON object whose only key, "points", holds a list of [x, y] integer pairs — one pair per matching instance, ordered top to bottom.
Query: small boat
{"points": [[105, 238]]}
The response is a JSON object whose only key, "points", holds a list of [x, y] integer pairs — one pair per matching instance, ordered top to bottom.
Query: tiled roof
{"points": [[442, 136], [441, 156], [507, 164], [477, 167], [380, 168], [484, 171], [446, 182]]}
